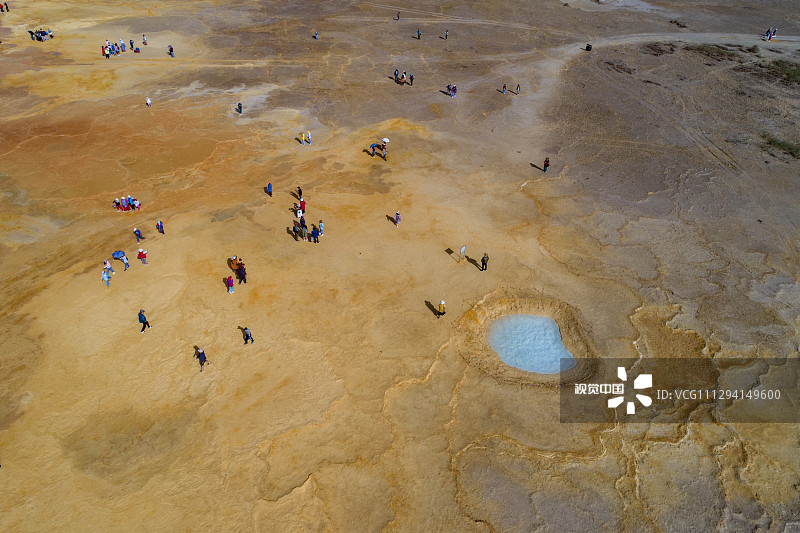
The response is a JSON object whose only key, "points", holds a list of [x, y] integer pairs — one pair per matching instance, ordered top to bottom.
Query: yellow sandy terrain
{"points": [[665, 227]]}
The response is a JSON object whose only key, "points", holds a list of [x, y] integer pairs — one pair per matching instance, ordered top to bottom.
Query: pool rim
{"points": [[472, 344]]}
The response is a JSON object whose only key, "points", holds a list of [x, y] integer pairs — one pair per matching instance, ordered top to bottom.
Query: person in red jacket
{"points": [[303, 206], [143, 256]]}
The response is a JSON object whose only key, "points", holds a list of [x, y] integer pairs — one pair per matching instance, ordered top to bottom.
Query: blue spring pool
{"points": [[529, 342]]}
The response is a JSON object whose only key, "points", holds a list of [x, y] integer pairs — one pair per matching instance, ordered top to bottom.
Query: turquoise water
{"points": [[529, 342]]}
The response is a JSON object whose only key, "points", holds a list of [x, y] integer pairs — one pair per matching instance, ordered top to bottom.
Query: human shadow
{"points": [[442, 38], [499, 90], [444, 92], [514, 93], [298, 140], [368, 152], [537, 167], [266, 190], [295, 195], [391, 219], [291, 232], [456, 257], [472, 261], [225, 282], [432, 308]]}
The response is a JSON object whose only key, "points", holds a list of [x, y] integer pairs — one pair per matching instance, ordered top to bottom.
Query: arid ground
{"points": [[667, 224]]}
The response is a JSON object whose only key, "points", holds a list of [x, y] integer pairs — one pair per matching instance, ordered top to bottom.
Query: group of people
{"points": [[4, 7], [771, 33], [41, 35], [112, 49], [401, 78], [504, 88], [452, 90], [305, 137], [384, 149], [127, 204], [300, 228], [120, 255], [237, 265]]}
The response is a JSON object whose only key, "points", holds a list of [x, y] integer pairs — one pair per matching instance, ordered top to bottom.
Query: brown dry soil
{"points": [[664, 223]]}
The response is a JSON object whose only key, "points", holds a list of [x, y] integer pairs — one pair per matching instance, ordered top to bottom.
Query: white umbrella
{"points": [[385, 140]]}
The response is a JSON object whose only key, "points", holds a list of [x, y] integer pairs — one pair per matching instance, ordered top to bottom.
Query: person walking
{"points": [[398, 15], [446, 33], [419, 34], [316, 35], [144, 40], [171, 51], [396, 75], [411, 79], [504, 88], [518, 89], [148, 102], [239, 108], [308, 136], [302, 139], [546, 164], [269, 189], [299, 193], [303, 206], [299, 211], [397, 219], [160, 227], [321, 229], [296, 230], [304, 233], [138, 234], [315, 235], [143, 256], [124, 260], [484, 261], [107, 266], [242, 274], [105, 277], [229, 283], [442, 310], [143, 321], [248, 336], [201, 357]]}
